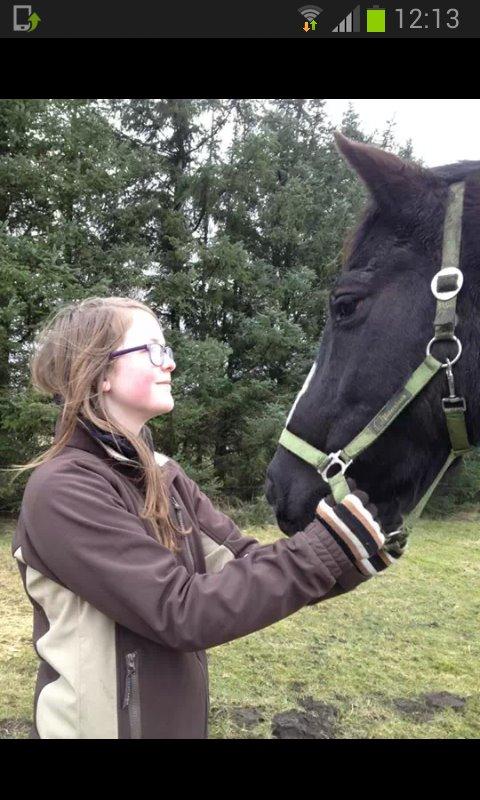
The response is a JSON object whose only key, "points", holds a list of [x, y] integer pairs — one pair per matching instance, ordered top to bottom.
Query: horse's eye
{"points": [[344, 306]]}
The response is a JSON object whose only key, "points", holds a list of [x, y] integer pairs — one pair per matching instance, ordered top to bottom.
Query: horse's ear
{"points": [[393, 182]]}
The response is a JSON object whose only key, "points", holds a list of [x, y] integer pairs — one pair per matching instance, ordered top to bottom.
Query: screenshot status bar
{"points": [[146, 19]]}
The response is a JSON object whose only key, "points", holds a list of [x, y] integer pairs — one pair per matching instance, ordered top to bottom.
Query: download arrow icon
{"points": [[306, 27]]}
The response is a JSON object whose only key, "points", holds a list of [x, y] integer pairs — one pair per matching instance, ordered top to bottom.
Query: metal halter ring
{"points": [[451, 339], [334, 460]]}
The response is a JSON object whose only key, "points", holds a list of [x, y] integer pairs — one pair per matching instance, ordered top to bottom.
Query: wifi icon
{"points": [[310, 12]]}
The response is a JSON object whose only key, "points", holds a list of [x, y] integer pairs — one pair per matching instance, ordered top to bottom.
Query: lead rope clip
{"points": [[453, 399]]}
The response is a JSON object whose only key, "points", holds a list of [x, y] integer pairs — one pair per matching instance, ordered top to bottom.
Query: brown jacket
{"points": [[120, 624]]}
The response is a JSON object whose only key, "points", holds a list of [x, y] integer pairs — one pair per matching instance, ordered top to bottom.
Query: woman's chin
{"points": [[166, 406]]}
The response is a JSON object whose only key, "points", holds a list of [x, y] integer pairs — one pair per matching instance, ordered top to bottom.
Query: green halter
{"points": [[445, 285]]}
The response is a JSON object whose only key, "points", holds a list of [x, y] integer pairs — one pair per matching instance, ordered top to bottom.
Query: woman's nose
{"points": [[168, 364]]}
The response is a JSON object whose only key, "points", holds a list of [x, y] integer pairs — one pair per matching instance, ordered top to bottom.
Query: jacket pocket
{"points": [[131, 698]]}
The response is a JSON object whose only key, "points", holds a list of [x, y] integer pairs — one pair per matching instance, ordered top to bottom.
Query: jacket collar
{"points": [[83, 439]]}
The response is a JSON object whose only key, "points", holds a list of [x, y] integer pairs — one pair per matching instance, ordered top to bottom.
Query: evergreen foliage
{"points": [[227, 217]]}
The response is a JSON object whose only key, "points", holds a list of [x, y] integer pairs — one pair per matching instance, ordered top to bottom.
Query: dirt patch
{"points": [[439, 700], [424, 707], [417, 710], [246, 717], [243, 718], [318, 721], [15, 728]]}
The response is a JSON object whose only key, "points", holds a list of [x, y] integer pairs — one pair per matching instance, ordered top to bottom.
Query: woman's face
{"points": [[135, 389]]}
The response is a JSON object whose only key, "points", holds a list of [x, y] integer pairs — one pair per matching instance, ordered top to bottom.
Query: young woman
{"points": [[131, 571]]}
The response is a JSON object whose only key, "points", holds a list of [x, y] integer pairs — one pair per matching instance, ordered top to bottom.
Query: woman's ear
{"points": [[106, 386]]}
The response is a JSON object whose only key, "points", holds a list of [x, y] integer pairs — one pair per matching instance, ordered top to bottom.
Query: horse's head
{"points": [[380, 321]]}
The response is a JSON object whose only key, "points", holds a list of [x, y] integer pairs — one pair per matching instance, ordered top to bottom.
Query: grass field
{"points": [[397, 658]]}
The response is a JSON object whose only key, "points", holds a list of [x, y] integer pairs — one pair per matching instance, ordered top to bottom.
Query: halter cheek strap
{"points": [[445, 286]]}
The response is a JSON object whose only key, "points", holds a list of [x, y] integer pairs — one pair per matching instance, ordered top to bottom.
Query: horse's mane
{"points": [[456, 172], [451, 173]]}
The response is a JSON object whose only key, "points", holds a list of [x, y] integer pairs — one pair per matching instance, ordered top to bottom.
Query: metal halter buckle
{"points": [[443, 273], [450, 339], [454, 402], [334, 460]]}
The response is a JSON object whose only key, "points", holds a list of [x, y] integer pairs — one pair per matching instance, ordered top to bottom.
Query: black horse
{"points": [[380, 321]]}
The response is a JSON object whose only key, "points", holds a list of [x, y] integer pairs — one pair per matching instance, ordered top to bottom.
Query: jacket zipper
{"points": [[188, 551], [207, 696], [131, 698]]}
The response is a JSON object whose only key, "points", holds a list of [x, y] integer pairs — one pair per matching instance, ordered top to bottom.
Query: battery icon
{"points": [[375, 20]]}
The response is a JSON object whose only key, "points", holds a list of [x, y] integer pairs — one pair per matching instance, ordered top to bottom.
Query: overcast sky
{"points": [[442, 131]]}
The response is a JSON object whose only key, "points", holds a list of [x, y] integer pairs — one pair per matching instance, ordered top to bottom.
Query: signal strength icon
{"points": [[310, 12], [350, 24]]}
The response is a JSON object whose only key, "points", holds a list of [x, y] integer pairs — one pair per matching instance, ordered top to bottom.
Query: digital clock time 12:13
{"points": [[437, 18]]}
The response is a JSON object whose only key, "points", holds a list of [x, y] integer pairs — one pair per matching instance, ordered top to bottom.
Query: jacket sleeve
{"points": [[214, 524], [79, 528]]}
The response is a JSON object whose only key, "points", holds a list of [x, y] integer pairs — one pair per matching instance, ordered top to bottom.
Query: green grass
{"points": [[411, 631], [18, 660]]}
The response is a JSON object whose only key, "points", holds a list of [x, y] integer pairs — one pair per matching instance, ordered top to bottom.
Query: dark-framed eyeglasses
{"points": [[158, 353]]}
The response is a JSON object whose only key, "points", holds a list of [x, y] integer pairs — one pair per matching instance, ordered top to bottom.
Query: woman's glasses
{"points": [[159, 353]]}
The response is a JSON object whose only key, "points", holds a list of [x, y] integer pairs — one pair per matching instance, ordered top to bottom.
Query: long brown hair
{"points": [[70, 361]]}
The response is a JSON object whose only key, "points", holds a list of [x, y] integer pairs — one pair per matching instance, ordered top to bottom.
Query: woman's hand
{"points": [[353, 523]]}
